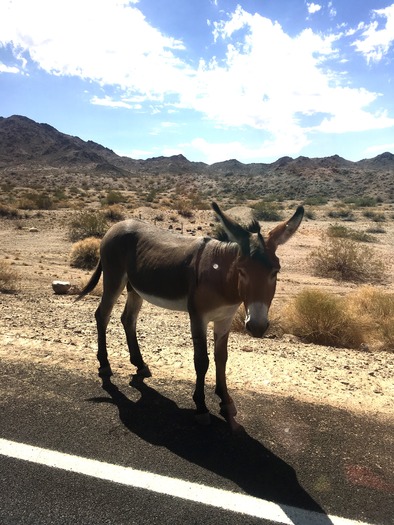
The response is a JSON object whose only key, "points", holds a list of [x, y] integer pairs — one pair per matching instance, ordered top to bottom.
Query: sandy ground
{"points": [[41, 327]]}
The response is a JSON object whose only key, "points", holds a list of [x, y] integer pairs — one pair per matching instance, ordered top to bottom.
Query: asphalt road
{"points": [[297, 455]]}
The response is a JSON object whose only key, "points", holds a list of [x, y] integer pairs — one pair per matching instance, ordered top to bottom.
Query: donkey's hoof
{"points": [[105, 372], [142, 373], [228, 410], [203, 419], [236, 428]]}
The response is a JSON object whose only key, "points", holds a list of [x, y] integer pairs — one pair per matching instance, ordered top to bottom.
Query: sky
{"points": [[253, 80]]}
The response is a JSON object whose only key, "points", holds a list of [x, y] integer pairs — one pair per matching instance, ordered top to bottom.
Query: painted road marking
{"points": [[230, 501]]}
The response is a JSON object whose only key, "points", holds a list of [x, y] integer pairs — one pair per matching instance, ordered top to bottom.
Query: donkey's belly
{"points": [[179, 304]]}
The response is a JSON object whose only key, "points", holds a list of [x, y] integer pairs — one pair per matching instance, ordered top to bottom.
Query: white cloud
{"points": [[313, 8], [331, 10], [108, 42], [375, 43], [8, 69], [266, 80], [268, 90], [109, 102], [380, 148], [219, 151]]}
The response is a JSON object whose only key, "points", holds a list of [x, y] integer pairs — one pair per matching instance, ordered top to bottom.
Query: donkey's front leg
{"points": [[201, 363], [227, 407]]}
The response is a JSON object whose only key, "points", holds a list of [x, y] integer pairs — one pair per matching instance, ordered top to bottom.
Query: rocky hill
{"points": [[29, 150]]}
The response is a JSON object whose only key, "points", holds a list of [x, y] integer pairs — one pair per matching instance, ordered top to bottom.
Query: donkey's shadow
{"points": [[237, 457]]}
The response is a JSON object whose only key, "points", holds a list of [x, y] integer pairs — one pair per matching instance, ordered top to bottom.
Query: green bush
{"points": [[114, 197], [316, 200], [361, 202], [267, 211], [342, 213], [373, 216], [87, 224], [338, 230]]}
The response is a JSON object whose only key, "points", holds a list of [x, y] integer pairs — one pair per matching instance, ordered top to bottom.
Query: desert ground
{"points": [[52, 330]]}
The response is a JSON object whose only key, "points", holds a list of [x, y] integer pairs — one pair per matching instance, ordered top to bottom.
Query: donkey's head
{"points": [[257, 265]]}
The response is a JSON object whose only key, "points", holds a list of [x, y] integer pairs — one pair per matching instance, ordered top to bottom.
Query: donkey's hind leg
{"points": [[112, 288], [129, 321]]}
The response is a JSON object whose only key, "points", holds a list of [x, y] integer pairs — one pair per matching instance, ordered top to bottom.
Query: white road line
{"points": [[178, 488]]}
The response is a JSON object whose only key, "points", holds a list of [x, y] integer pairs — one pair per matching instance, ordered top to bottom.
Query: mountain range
{"points": [[30, 147]]}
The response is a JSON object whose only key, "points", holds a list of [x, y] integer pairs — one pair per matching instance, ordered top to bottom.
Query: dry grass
{"points": [[9, 212], [114, 213], [85, 253], [344, 259], [9, 278], [375, 309], [365, 316], [321, 318]]}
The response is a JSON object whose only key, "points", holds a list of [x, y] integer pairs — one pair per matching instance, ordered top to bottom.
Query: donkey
{"points": [[205, 277]]}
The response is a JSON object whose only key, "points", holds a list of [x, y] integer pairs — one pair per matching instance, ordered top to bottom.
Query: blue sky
{"points": [[214, 80]]}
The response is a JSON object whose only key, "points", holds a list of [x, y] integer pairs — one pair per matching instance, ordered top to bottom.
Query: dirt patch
{"points": [[40, 327]]}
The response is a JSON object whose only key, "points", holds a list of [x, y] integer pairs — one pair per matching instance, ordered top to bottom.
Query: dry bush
{"points": [[267, 211], [9, 212], [114, 213], [87, 224], [340, 231], [85, 254], [347, 260], [9, 278], [97, 292], [376, 309], [321, 318], [238, 324]]}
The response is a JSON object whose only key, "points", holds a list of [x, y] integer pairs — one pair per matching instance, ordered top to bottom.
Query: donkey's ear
{"points": [[235, 232], [282, 233]]}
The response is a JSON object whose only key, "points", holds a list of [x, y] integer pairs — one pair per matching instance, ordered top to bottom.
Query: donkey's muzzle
{"points": [[256, 329]]}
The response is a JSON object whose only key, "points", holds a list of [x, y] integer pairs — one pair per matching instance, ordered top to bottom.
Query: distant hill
{"points": [[29, 149]]}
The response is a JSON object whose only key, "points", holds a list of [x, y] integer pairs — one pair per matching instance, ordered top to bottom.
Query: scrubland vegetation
{"points": [[364, 317]]}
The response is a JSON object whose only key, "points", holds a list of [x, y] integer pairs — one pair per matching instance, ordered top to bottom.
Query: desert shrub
{"points": [[114, 197], [316, 200], [35, 201], [43, 201], [361, 202], [184, 208], [267, 211], [8, 212], [114, 213], [342, 213], [310, 214], [374, 216], [87, 224], [338, 230], [376, 230], [85, 253], [347, 260], [9, 278], [97, 292], [376, 310], [320, 318], [238, 324]]}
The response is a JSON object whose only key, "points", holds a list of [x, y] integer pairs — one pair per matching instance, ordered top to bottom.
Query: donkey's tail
{"points": [[91, 285]]}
